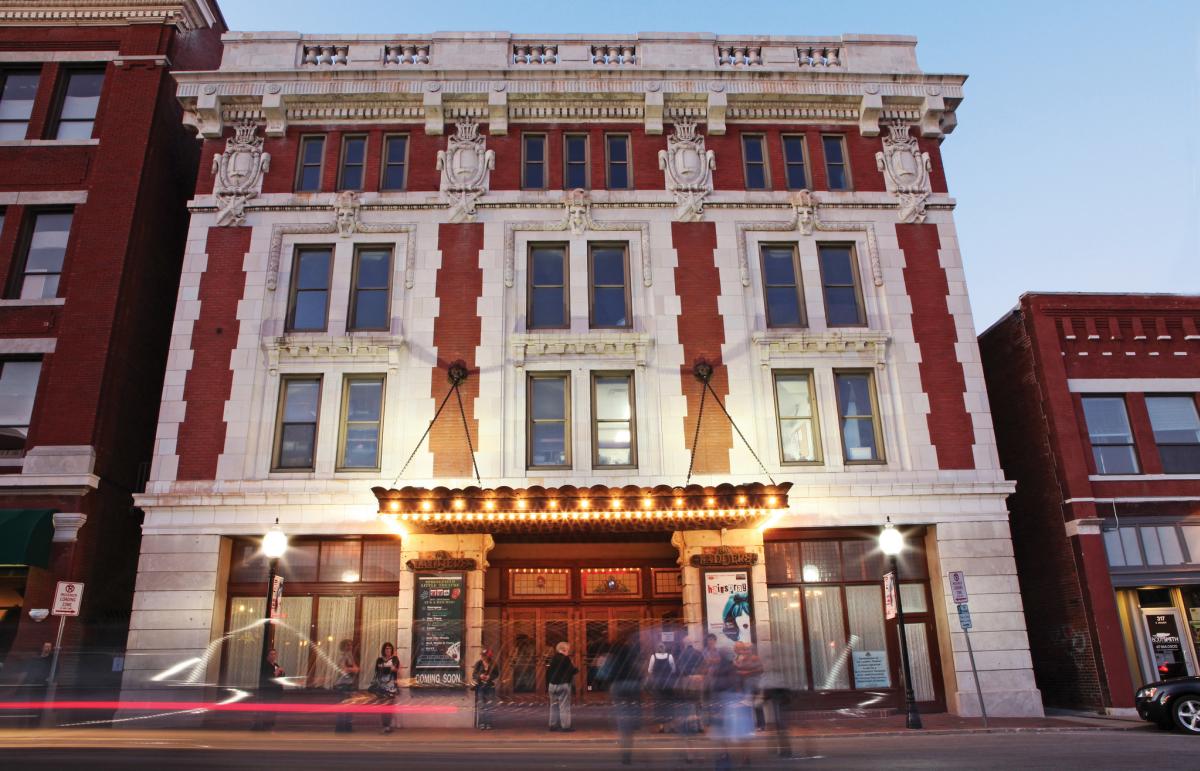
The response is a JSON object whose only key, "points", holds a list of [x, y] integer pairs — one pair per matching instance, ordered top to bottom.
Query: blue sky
{"points": [[1076, 161]]}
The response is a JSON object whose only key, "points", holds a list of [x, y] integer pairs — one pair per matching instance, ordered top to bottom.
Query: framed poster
{"points": [[728, 606], [439, 624]]}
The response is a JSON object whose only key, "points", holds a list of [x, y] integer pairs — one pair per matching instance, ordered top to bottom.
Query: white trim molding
{"points": [[20, 345], [1134, 384]]}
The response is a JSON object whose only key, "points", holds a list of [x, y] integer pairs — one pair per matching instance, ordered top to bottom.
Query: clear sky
{"points": [[1076, 161]]}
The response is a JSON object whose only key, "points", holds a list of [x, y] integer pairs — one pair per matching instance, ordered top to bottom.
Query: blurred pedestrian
{"points": [[712, 662], [749, 668], [623, 669], [661, 672], [485, 675], [560, 676], [35, 678], [344, 684], [383, 685], [690, 686], [270, 690], [776, 697], [729, 714]]}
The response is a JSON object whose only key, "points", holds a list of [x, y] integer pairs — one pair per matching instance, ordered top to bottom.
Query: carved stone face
{"points": [[687, 162]]}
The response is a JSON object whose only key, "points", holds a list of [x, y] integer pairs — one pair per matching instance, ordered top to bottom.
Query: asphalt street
{"points": [[1096, 749]]}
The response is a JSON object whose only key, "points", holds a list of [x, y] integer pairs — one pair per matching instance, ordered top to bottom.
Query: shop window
{"points": [[18, 89], [78, 103], [616, 147], [754, 158], [311, 161], [575, 161], [795, 161], [354, 162], [395, 162], [533, 162], [837, 171], [43, 252], [608, 283], [782, 286], [840, 286], [370, 301], [309, 302], [549, 303], [18, 389], [796, 411], [858, 415], [362, 421], [549, 424], [296, 429], [1108, 429], [1176, 432], [614, 433], [1147, 545], [340, 561], [381, 561], [826, 637]]}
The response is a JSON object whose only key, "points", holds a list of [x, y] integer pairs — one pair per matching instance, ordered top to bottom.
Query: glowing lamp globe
{"points": [[891, 542], [274, 543]]}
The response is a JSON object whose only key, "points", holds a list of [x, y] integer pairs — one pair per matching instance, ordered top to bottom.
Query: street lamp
{"points": [[891, 543], [274, 544]]}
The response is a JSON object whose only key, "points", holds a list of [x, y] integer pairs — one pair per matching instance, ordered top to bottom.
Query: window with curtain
{"points": [[18, 89], [78, 104], [43, 255], [18, 388], [795, 408], [362, 414], [613, 424], [1176, 428], [1112, 439], [861, 440], [335, 624], [378, 626], [787, 634], [868, 637], [827, 638], [243, 645]]}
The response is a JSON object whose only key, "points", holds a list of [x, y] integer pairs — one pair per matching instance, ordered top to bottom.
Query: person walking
{"points": [[749, 668], [347, 669], [623, 670], [661, 672], [485, 675], [560, 677], [35, 683], [383, 685], [690, 686], [270, 690], [775, 699]]}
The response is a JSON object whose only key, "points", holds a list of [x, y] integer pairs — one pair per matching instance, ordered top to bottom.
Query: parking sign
{"points": [[958, 586], [67, 598]]}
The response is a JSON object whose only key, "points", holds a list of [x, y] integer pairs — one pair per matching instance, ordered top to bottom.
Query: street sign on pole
{"points": [[958, 586], [889, 595], [67, 598], [964, 616], [964, 620]]}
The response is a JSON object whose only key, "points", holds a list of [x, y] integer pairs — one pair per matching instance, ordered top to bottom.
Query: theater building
{"points": [[95, 174], [528, 339], [1096, 404]]}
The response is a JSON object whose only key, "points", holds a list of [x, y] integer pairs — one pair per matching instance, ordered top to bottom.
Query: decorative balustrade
{"points": [[406, 53], [535, 53], [326, 54], [617, 54], [739, 56], [819, 56]]}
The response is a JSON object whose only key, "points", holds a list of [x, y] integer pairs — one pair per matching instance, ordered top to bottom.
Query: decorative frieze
{"points": [[624, 346], [775, 346], [305, 350]]}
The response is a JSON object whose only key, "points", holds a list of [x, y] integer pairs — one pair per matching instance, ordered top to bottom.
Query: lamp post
{"points": [[891, 543], [274, 544]]}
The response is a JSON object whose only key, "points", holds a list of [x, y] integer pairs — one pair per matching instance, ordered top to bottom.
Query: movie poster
{"points": [[728, 609], [439, 621]]}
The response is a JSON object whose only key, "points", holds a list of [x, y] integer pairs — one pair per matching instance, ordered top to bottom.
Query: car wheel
{"points": [[1187, 713]]}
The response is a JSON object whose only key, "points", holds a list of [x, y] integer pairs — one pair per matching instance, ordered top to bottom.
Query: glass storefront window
{"points": [[788, 635], [827, 638]]}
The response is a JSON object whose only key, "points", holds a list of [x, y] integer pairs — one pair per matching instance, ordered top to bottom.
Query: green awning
{"points": [[25, 536]]}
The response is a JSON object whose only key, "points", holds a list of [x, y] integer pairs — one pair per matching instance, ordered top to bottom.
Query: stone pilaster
{"points": [[692, 542]]}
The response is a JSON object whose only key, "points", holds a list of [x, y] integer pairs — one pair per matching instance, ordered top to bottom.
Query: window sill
{"points": [[49, 142], [18, 303], [1142, 477]]}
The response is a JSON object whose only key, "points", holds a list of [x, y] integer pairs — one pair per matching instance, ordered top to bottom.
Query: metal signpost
{"points": [[958, 588], [67, 598]]}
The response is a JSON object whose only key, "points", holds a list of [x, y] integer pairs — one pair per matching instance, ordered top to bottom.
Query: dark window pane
{"points": [[16, 101], [535, 148], [313, 149], [576, 149], [754, 149], [793, 149], [356, 150], [618, 150], [833, 150], [393, 172], [533, 176], [576, 176], [795, 176], [618, 177], [756, 177], [310, 178], [352, 178], [837, 178], [548, 266], [608, 266], [778, 266], [836, 267], [374, 269], [313, 270], [841, 306], [547, 307], [608, 307], [783, 307], [371, 309], [310, 311], [854, 395], [549, 398], [363, 399], [300, 401], [1174, 419], [859, 438], [549, 444], [296, 445], [362, 446], [1180, 458], [1115, 459], [339, 559], [300, 561], [381, 561], [783, 561], [862, 561], [247, 563]]}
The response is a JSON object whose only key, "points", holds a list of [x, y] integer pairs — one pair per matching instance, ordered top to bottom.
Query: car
{"points": [[1171, 703]]}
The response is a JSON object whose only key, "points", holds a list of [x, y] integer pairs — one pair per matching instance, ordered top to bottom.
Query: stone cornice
{"points": [[183, 14]]}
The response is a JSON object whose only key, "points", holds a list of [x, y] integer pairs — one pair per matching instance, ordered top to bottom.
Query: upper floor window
{"points": [[18, 89], [78, 103], [616, 148], [754, 157], [794, 158], [575, 161], [354, 162], [395, 162], [533, 164], [308, 170], [837, 171], [41, 258], [839, 281], [781, 283], [609, 286], [371, 289], [309, 304], [548, 304], [18, 387], [795, 407], [362, 413], [858, 414], [549, 422], [296, 425], [1109, 432], [1176, 432], [614, 434]]}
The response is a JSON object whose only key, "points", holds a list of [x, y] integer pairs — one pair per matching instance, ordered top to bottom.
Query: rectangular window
{"points": [[18, 89], [77, 104], [616, 148], [754, 157], [794, 159], [575, 161], [354, 162], [395, 162], [308, 170], [837, 171], [533, 175], [45, 247], [608, 281], [839, 282], [781, 284], [310, 290], [371, 292], [548, 297], [18, 387], [796, 408], [362, 410], [858, 416], [296, 427], [549, 429], [614, 432], [1176, 432], [1111, 437]]}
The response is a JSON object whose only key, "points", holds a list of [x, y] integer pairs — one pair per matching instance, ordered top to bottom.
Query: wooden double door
{"points": [[529, 636]]}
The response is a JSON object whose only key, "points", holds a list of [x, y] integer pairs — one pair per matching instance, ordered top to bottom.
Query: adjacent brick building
{"points": [[95, 172], [1095, 398]]}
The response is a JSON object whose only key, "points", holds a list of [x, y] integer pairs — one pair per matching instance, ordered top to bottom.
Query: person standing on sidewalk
{"points": [[749, 668], [347, 669], [661, 671], [485, 675], [560, 676], [383, 685], [690, 686], [270, 690]]}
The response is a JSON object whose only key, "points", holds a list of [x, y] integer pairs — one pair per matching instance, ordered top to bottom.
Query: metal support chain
{"points": [[704, 372], [457, 374]]}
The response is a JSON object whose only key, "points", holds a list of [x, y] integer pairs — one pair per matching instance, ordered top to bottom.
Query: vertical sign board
{"points": [[958, 587], [889, 595], [276, 597], [67, 598], [728, 609], [964, 616], [439, 623]]}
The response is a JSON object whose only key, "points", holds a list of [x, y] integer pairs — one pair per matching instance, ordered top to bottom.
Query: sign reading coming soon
{"points": [[439, 621]]}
